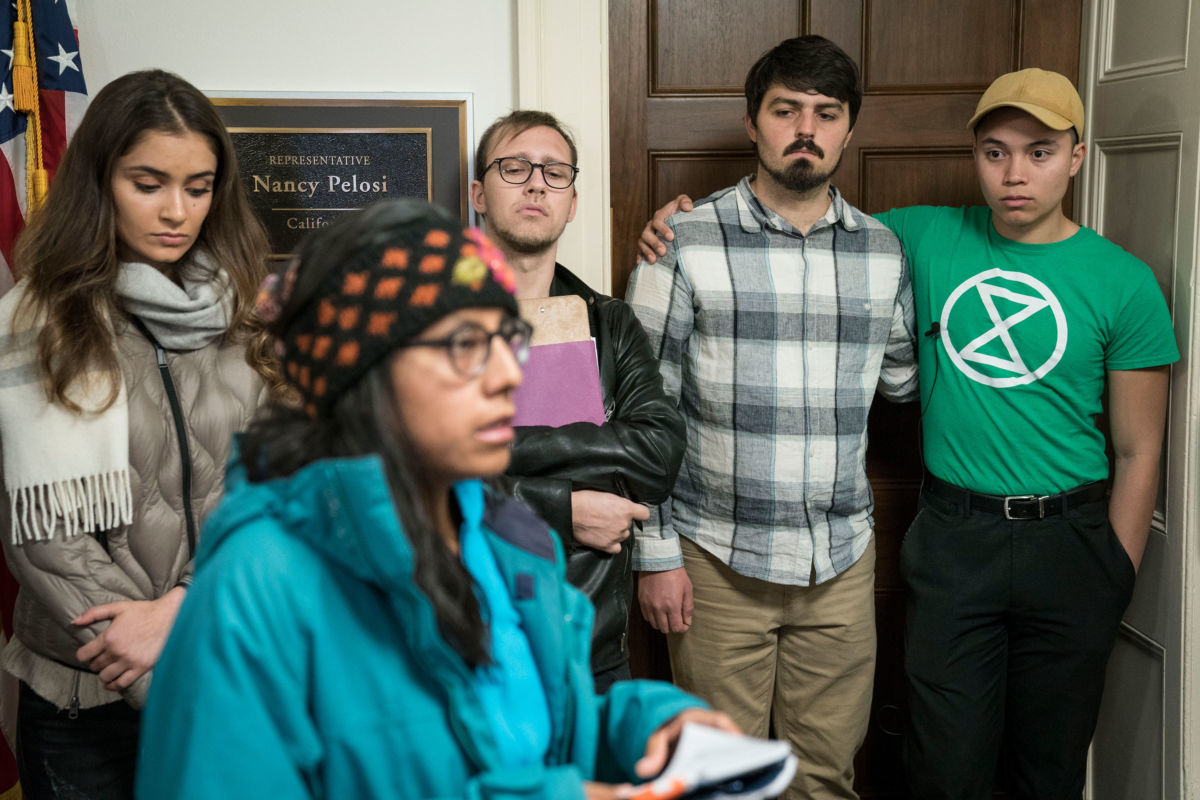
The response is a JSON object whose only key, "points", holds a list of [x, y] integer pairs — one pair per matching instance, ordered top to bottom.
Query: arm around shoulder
{"points": [[660, 295], [898, 377]]}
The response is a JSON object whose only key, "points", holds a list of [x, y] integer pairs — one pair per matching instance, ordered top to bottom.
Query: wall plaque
{"points": [[305, 159]]}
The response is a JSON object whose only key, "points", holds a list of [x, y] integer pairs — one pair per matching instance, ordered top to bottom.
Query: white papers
{"points": [[714, 765]]}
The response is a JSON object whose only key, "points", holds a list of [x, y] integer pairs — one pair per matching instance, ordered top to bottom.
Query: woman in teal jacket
{"points": [[369, 618]]}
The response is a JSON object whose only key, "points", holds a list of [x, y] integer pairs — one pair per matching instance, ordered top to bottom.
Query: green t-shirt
{"points": [[1011, 383]]}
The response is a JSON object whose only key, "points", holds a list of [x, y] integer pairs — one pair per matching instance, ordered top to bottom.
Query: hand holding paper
{"points": [[667, 738], [714, 763]]}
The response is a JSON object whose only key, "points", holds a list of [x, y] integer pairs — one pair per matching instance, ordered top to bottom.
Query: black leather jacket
{"points": [[636, 454]]}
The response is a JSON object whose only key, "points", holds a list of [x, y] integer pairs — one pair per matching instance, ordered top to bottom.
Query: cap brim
{"points": [[1048, 118]]}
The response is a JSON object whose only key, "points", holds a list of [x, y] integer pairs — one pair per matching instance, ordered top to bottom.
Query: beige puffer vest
{"points": [[60, 578]]}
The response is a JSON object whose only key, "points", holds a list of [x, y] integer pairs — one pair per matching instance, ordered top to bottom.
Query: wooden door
{"points": [[676, 77], [1139, 190]]}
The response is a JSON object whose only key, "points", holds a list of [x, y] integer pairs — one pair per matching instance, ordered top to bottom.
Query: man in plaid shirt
{"points": [[776, 312]]}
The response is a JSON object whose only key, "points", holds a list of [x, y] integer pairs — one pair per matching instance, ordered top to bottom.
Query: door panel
{"points": [[745, 29], [959, 58], [677, 109], [702, 172], [902, 176], [1139, 189]]}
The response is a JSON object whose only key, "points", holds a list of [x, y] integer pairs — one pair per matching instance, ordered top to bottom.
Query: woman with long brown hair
{"points": [[130, 355]]}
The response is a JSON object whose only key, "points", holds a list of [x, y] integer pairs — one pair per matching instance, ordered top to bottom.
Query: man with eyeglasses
{"points": [[777, 310], [590, 482]]}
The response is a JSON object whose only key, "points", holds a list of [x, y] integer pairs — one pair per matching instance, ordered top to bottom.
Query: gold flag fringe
{"points": [[25, 99]]}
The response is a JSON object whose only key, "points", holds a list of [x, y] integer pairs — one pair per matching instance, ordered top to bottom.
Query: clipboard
{"points": [[556, 319], [562, 377]]}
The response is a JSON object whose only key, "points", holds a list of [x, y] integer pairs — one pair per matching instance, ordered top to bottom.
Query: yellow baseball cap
{"points": [[1048, 96]]}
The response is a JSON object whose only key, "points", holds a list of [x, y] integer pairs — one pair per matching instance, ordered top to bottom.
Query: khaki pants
{"points": [[802, 656]]}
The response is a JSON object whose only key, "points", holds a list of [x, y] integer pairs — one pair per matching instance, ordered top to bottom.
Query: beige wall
{"points": [[309, 45], [562, 67]]}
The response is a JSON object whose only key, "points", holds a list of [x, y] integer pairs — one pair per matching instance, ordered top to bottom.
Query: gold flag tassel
{"points": [[24, 75], [25, 98], [39, 186]]}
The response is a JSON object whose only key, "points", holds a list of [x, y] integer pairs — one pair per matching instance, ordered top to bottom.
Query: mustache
{"points": [[801, 145]]}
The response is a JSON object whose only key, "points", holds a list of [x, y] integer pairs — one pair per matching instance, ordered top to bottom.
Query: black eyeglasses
{"points": [[514, 169], [470, 345]]}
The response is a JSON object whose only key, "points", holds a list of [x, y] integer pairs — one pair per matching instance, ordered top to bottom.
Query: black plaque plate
{"points": [[304, 161]]}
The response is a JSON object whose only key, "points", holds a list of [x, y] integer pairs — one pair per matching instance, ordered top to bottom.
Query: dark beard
{"points": [[800, 176]]}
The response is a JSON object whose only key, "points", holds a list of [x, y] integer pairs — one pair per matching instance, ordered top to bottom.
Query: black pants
{"points": [[1009, 629], [91, 757]]}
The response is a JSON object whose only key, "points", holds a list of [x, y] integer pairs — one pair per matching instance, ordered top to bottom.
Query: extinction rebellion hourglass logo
{"points": [[1009, 329]]}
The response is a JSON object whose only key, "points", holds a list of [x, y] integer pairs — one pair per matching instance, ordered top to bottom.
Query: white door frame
{"points": [[562, 68]]}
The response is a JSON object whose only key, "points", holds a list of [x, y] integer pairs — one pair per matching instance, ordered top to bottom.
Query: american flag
{"points": [[62, 99]]}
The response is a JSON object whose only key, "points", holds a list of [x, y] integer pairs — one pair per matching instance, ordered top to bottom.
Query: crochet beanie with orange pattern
{"points": [[369, 282]]}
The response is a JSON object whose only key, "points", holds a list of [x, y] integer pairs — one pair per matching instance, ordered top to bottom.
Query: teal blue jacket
{"points": [[305, 662]]}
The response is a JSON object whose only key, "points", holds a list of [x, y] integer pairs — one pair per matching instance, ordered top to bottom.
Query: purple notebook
{"points": [[561, 386]]}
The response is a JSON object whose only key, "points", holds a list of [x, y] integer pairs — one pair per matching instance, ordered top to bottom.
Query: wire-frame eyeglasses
{"points": [[517, 170]]}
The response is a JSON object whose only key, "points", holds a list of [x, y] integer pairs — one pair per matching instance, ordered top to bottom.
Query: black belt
{"points": [[1017, 507]]}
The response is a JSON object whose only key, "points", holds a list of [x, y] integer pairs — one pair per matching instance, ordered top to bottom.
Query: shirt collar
{"points": [[755, 216]]}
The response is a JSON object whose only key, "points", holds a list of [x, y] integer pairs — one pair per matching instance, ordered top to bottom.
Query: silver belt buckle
{"points": [[1041, 501]]}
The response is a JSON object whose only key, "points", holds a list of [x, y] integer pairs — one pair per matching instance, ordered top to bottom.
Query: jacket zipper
{"points": [[185, 454], [73, 703]]}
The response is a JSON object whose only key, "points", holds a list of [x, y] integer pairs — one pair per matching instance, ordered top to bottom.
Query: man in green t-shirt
{"points": [[1020, 563]]}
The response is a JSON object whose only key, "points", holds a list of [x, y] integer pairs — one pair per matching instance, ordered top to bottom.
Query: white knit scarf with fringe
{"points": [[70, 469]]}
